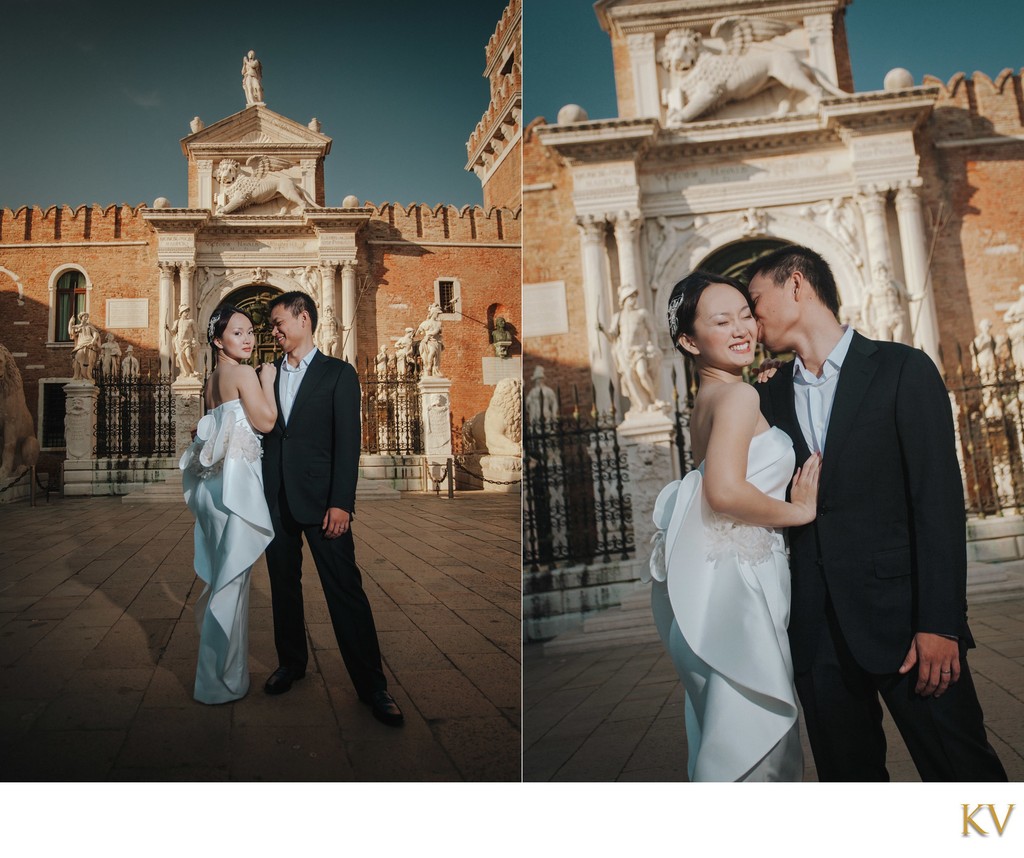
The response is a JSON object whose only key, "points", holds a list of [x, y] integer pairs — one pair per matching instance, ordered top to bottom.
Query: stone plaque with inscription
{"points": [[544, 309], [127, 313]]}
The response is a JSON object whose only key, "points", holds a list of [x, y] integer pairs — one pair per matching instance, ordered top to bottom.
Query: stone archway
{"points": [[734, 259], [254, 299]]}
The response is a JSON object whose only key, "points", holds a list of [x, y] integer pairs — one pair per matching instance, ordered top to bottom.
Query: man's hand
{"points": [[335, 523], [938, 663]]}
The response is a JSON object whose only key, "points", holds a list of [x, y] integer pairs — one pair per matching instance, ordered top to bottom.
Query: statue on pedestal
{"points": [[252, 79], [884, 307], [1014, 320], [327, 331], [501, 338], [185, 342], [431, 344], [86, 351], [403, 353], [983, 353], [110, 355], [637, 358], [130, 364], [541, 401]]}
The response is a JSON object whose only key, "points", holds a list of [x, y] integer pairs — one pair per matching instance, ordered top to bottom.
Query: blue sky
{"points": [[937, 37], [95, 95]]}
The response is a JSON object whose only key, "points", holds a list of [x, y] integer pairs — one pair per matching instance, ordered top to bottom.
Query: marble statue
{"points": [[252, 79], [701, 79], [265, 180], [755, 221], [666, 241], [311, 280], [884, 308], [1014, 319], [327, 332], [501, 338], [185, 343], [431, 344], [86, 351], [403, 352], [983, 353], [110, 356], [637, 359], [381, 361], [129, 364], [541, 401], [20, 447]]}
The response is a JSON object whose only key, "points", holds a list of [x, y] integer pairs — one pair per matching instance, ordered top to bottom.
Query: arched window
{"points": [[70, 301]]}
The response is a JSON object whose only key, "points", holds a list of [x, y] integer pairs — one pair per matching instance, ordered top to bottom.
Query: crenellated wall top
{"points": [[978, 107], [444, 223]]}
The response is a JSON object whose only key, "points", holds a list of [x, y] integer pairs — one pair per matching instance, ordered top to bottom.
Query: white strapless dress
{"points": [[223, 480], [720, 599]]}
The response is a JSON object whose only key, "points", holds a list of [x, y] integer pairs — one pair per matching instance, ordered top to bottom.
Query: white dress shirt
{"points": [[291, 378], [813, 395]]}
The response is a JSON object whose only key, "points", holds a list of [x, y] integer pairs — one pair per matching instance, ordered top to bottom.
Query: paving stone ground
{"points": [[98, 644], [616, 713]]}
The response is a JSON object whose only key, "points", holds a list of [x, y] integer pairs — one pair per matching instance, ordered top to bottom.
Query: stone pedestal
{"points": [[188, 394], [435, 411], [80, 420], [646, 436], [502, 473]]}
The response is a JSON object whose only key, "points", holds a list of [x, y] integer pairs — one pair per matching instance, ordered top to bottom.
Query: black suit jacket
{"points": [[316, 456], [889, 541]]}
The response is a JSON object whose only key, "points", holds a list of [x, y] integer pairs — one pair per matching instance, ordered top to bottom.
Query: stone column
{"points": [[643, 65], [204, 174], [872, 205], [626, 230], [187, 269], [327, 292], [595, 295], [348, 311], [164, 318], [924, 319], [188, 391], [435, 412], [80, 436], [647, 439]]}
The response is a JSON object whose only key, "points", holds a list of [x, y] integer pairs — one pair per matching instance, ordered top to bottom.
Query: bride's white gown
{"points": [[223, 480], [720, 598]]}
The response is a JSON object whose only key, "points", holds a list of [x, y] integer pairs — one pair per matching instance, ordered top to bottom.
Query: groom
{"points": [[310, 468], [879, 578]]}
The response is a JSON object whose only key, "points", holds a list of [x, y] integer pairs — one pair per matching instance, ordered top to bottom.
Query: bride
{"points": [[223, 482], [720, 594]]}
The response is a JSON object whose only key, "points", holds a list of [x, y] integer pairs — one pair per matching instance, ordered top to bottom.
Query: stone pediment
{"points": [[255, 129]]}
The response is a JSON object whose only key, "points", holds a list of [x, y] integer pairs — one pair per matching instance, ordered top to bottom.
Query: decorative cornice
{"points": [[658, 16], [176, 220]]}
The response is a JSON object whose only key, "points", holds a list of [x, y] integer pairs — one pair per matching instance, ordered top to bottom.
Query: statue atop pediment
{"points": [[703, 78], [252, 79], [262, 179]]}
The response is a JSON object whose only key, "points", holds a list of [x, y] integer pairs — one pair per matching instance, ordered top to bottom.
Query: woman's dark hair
{"points": [[682, 303], [219, 319]]}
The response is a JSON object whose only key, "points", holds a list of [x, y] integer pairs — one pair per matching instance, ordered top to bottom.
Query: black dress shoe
{"points": [[281, 680], [384, 708]]}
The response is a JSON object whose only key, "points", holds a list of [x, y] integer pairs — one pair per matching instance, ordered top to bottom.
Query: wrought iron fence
{"points": [[987, 397], [391, 410], [134, 416], [575, 505]]}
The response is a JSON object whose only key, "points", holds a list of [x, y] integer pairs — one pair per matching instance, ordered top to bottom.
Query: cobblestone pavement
{"points": [[98, 645], [616, 713]]}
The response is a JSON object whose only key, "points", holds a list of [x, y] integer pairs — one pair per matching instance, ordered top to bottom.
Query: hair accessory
{"points": [[673, 319], [213, 323]]}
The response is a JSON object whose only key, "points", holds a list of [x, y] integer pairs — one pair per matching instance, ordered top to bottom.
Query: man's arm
{"points": [[347, 441], [935, 496]]}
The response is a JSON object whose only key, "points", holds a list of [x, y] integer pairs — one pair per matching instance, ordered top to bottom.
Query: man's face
{"points": [[776, 311], [289, 331]]}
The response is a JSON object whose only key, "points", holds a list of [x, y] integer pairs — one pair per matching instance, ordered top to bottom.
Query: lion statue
{"points": [[701, 79], [266, 180], [499, 429], [20, 447]]}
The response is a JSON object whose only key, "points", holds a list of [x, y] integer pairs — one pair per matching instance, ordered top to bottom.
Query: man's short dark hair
{"points": [[780, 264], [295, 303]]}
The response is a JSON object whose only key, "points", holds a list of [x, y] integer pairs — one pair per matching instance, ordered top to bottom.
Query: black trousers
{"points": [[342, 582], [945, 735]]}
